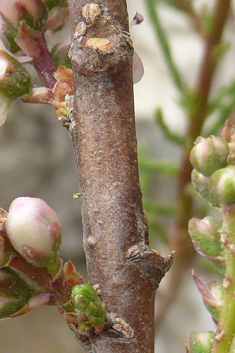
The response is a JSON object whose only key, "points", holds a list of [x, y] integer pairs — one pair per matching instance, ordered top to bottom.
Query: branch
{"points": [[103, 133]]}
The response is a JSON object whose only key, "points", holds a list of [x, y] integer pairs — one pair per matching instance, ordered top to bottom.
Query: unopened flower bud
{"points": [[209, 155], [223, 185], [34, 231], [205, 236], [85, 299], [200, 342]]}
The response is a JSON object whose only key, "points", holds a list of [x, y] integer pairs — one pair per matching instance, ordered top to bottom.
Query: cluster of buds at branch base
{"points": [[60, 96], [213, 177], [31, 272], [85, 313]]}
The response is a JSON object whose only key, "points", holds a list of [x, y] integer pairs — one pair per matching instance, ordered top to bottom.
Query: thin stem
{"points": [[162, 38], [34, 45], [226, 325]]}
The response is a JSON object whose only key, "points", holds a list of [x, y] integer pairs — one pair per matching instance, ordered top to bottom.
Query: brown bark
{"points": [[103, 132]]}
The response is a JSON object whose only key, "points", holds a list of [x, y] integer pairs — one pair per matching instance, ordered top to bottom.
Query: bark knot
{"points": [[99, 42]]}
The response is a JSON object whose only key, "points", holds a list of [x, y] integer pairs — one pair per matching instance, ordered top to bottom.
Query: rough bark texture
{"points": [[103, 132]]}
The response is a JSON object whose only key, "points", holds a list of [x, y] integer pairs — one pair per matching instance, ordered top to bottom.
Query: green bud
{"points": [[209, 155], [202, 184], [223, 185], [205, 236], [85, 299], [200, 342]]}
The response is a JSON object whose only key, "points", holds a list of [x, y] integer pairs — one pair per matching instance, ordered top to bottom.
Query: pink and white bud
{"points": [[209, 154], [34, 230]]}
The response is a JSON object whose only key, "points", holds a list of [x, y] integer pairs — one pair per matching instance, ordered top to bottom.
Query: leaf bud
{"points": [[209, 154], [223, 185], [34, 230], [85, 299], [200, 342]]}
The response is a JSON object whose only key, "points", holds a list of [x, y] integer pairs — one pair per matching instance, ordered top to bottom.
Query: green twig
{"points": [[162, 38], [171, 136]]}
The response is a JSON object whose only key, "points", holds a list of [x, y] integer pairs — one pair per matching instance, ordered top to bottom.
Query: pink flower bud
{"points": [[209, 154], [223, 185], [34, 230]]}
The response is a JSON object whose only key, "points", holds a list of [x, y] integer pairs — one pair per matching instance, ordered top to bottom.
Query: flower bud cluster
{"points": [[214, 171], [213, 177], [85, 300]]}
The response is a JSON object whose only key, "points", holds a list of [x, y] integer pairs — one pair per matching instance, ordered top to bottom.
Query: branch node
{"points": [[99, 42], [137, 251]]}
